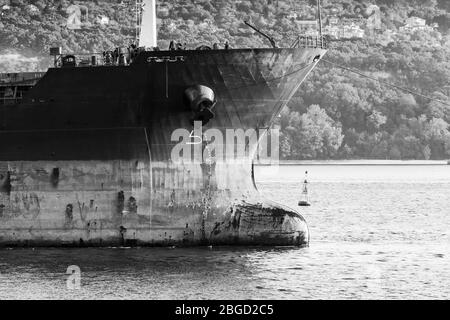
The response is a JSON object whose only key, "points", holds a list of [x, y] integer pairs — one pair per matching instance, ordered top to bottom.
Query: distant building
{"points": [[292, 15], [77, 16], [74, 19], [103, 20], [374, 20], [333, 21], [337, 21], [358, 21], [413, 24], [308, 27], [346, 28], [332, 31], [352, 31]]}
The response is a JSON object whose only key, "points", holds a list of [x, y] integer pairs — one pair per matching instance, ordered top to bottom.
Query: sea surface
{"points": [[377, 232]]}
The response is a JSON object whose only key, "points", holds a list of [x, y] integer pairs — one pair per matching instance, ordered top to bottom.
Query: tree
{"points": [[437, 109], [375, 120], [311, 135], [438, 136]]}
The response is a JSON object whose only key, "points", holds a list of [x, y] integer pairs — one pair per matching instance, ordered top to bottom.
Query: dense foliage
{"points": [[335, 114]]}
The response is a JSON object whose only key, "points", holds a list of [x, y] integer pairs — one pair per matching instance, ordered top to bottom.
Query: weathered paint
{"points": [[85, 157]]}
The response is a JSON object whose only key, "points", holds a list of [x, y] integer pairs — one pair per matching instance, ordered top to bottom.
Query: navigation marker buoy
{"points": [[304, 198]]}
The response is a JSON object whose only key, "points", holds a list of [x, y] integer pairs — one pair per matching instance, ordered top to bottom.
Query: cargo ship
{"points": [[86, 147]]}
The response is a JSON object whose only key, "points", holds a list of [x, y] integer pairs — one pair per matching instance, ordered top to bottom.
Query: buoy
{"points": [[304, 198]]}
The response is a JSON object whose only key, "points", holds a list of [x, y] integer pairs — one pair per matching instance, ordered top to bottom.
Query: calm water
{"points": [[376, 232]]}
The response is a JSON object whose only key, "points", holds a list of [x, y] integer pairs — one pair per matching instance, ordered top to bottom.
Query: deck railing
{"points": [[305, 41], [7, 79], [14, 85], [9, 101]]}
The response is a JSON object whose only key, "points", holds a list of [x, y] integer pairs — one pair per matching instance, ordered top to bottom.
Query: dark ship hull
{"points": [[86, 154]]}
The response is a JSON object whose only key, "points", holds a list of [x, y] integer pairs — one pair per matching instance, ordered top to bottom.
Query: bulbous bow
{"points": [[261, 222]]}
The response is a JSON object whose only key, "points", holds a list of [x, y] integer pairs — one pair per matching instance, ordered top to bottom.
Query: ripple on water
{"points": [[375, 233]]}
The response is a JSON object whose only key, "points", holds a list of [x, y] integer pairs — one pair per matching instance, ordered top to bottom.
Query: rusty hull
{"points": [[85, 157]]}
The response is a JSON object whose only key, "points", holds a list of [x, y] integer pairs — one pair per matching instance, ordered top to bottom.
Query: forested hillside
{"points": [[335, 114]]}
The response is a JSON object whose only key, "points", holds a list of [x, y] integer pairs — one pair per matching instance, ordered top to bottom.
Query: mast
{"points": [[138, 12], [319, 12], [146, 23]]}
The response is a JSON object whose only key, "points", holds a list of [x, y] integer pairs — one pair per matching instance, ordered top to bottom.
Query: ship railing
{"points": [[309, 41], [92, 59], [79, 60], [19, 78], [14, 85], [10, 95], [4, 101]]}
